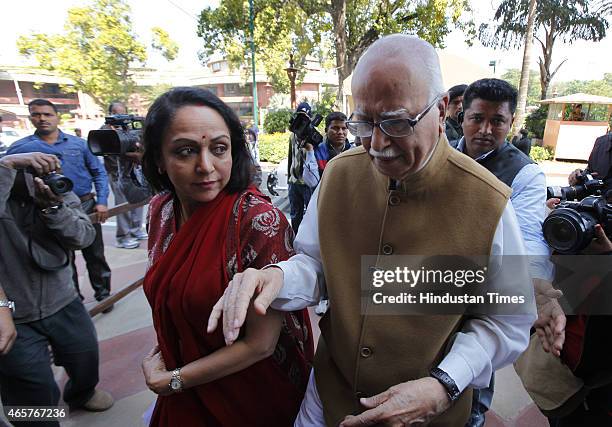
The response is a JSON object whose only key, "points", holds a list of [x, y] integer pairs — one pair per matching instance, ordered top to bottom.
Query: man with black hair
{"points": [[455, 106], [488, 107], [524, 142], [334, 143], [84, 169], [299, 192], [129, 224], [39, 229]]}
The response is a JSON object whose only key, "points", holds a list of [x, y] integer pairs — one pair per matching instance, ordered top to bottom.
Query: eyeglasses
{"points": [[395, 128]]}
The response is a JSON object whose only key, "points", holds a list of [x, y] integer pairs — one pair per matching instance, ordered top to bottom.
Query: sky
{"points": [[585, 60]]}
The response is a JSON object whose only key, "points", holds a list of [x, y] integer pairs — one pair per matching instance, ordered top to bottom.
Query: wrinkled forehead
{"points": [[391, 86]]}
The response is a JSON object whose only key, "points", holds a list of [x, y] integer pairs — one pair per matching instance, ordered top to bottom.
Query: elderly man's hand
{"points": [[237, 297], [550, 325], [8, 334], [410, 403]]}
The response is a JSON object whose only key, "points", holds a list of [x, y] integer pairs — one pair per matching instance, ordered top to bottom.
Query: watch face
{"points": [[175, 384]]}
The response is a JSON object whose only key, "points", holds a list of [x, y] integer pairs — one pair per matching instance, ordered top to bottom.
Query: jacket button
{"points": [[394, 200], [387, 249], [365, 352]]}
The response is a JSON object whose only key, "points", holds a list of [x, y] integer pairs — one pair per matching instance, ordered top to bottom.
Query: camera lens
{"points": [[568, 231]]}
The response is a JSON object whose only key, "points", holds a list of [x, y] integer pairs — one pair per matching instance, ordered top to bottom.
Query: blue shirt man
{"points": [[84, 169]]}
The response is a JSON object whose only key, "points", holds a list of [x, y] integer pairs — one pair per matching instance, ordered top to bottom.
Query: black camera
{"points": [[305, 129], [125, 133], [57, 182], [587, 186], [571, 225]]}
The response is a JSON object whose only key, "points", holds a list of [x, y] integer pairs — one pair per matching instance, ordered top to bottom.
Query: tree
{"points": [[568, 20], [342, 29], [164, 44], [96, 50], [513, 76], [524, 82], [594, 87]]}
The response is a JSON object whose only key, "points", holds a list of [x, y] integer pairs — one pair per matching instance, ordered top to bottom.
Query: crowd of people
{"points": [[431, 172]]}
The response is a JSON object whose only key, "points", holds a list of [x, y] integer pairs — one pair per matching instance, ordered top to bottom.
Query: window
{"points": [[216, 66], [236, 89]]}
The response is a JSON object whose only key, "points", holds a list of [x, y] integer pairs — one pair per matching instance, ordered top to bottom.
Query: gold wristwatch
{"points": [[176, 382]]}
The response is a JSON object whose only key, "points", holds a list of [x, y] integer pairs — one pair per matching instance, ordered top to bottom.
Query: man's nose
{"points": [[486, 127], [379, 140]]}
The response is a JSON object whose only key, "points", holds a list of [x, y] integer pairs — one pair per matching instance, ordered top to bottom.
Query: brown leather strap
{"points": [[87, 197]]}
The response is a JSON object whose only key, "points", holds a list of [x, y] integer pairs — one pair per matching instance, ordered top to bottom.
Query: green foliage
{"points": [[565, 20], [312, 28], [164, 44], [95, 51], [513, 76], [593, 87], [151, 93], [326, 104], [277, 121], [536, 121], [273, 147], [539, 154]]}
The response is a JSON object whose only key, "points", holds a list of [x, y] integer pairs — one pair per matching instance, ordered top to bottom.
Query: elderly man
{"points": [[407, 187]]}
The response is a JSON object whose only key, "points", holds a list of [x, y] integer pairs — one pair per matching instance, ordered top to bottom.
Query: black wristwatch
{"points": [[449, 384]]}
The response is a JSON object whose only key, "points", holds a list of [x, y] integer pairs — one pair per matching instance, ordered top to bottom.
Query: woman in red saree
{"points": [[205, 225]]}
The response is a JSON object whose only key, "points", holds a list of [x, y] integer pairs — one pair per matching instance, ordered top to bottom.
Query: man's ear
{"points": [[443, 106]]}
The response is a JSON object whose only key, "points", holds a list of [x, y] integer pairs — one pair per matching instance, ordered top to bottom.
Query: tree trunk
{"points": [[338, 14], [546, 59], [524, 84]]}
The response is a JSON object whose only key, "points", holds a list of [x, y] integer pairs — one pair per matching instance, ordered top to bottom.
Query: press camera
{"points": [[123, 133]]}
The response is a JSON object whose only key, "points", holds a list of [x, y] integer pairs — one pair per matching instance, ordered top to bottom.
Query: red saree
{"points": [[188, 273]]}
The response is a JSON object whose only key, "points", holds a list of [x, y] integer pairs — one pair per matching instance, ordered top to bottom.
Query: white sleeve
{"points": [[310, 175], [529, 201], [303, 272], [488, 343]]}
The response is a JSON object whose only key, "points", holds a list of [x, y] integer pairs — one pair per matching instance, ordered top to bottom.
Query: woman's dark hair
{"points": [[493, 90], [158, 120]]}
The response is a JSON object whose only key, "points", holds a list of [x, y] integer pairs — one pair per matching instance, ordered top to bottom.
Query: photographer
{"points": [[334, 143], [600, 162], [84, 170], [299, 192], [129, 224], [39, 229]]}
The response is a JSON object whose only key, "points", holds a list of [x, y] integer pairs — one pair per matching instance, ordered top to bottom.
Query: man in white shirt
{"points": [[400, 107]]}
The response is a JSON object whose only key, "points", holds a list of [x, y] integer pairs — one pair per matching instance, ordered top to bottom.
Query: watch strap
{"points": [[176, 377], [447, 382]]}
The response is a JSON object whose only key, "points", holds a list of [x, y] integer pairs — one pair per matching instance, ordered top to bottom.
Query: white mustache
{"points": [[388, 153]]}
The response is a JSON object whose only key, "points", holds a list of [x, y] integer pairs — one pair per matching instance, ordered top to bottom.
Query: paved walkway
{"points": [[126, 335]]}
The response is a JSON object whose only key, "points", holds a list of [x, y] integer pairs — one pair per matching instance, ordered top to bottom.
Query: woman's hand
{"points": [[156, 375]]}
